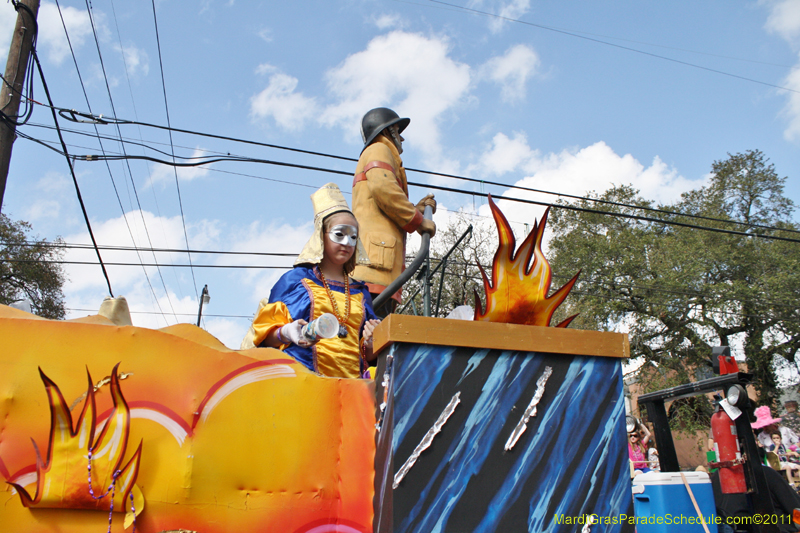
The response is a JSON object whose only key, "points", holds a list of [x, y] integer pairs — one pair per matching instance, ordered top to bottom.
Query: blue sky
{"points": [[566, 97]]}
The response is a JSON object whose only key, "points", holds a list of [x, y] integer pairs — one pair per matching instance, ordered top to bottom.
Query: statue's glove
{"points": [[428, 200], [427, 226]]}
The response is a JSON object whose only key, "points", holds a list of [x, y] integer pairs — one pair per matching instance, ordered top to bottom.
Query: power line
{"points": [[459, 9], [628, 48], [166, 107], [72, 115], [99, 140], [199, 161], [127, 162], [216, 170], [72, 171], [486, 182], [153, 190], [611, 203], [570, 207], [78, 246], [451, 262], [165, 265], [598, 284], [713, 298], [691, 307], [248, 317]]}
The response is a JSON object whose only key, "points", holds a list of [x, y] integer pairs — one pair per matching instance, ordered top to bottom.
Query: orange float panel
{"points": [[228, 441]]}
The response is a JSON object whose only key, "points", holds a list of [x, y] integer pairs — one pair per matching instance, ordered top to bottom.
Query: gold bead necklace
{"points": [[342, 320]]}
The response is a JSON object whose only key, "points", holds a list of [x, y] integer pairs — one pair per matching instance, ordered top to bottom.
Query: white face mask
{"points": [[343, 234]]}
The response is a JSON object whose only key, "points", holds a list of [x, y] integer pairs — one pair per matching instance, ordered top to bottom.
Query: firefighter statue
{"points": [[381, 205]]}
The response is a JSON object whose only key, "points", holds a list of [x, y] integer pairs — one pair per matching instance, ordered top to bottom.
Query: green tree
{"points": [[27, 269], [681, 290]]}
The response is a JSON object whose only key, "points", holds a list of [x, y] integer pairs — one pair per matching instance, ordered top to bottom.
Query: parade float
{"points": [[501, 423]]}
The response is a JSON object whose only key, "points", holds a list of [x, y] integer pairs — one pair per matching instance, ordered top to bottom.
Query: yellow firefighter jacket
{"points": [[384, 213]]}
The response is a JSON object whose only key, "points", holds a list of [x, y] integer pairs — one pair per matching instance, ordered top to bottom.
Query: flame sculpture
{"points": [[517, 292], [63, 479]]}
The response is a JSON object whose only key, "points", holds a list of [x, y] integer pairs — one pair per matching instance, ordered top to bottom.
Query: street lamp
{"points": [[204, 299]]}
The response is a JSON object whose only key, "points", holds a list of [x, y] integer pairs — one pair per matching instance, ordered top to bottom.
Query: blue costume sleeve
{"points": [[290, 290]]}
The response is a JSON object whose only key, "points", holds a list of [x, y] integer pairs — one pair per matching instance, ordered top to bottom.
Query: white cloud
{"points": [[206, 6], [504, 10], [784, 18], [8, 19], [387, 21], [265, 34], [52, 38], [136, 60], [266, 68], [512, 70], [408, 72], [279, 101], [792, 109], [506, 155], [598, 167], [593, 168], [166, 173], [53, 182], [47, 204], [43, 209], [163, 232], [268, 237], [235, 292], [154, 313], [229, 331]]}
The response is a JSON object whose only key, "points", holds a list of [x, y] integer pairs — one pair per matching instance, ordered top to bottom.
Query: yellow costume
{"points": [[301, 294]]}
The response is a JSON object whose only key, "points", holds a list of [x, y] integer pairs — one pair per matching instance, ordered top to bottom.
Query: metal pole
{"points": [[11, 93], [422, 253], [443, 263], [426, 287], [203, 297], [667, 456], [756, 479]]}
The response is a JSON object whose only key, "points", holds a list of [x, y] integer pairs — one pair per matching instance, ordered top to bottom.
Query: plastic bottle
{"points": [[324, 327]]}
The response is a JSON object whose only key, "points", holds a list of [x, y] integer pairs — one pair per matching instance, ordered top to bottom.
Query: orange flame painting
{"points": [[517, 292], [74, 456]]}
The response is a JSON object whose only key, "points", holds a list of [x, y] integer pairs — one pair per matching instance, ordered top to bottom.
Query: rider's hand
{"points": [[369, 328], [292, 332]]}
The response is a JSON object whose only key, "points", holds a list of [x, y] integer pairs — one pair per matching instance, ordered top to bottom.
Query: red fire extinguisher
{"points": [[729, 455]]}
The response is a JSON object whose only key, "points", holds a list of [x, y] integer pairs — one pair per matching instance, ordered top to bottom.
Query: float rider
{"points": [[381, 205]]}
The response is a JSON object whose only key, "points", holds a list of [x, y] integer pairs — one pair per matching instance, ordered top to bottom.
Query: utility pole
{"points": [[10, 94]]}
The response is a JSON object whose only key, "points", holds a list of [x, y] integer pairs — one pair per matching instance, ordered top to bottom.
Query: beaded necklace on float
{"points": [[342, 319]]}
